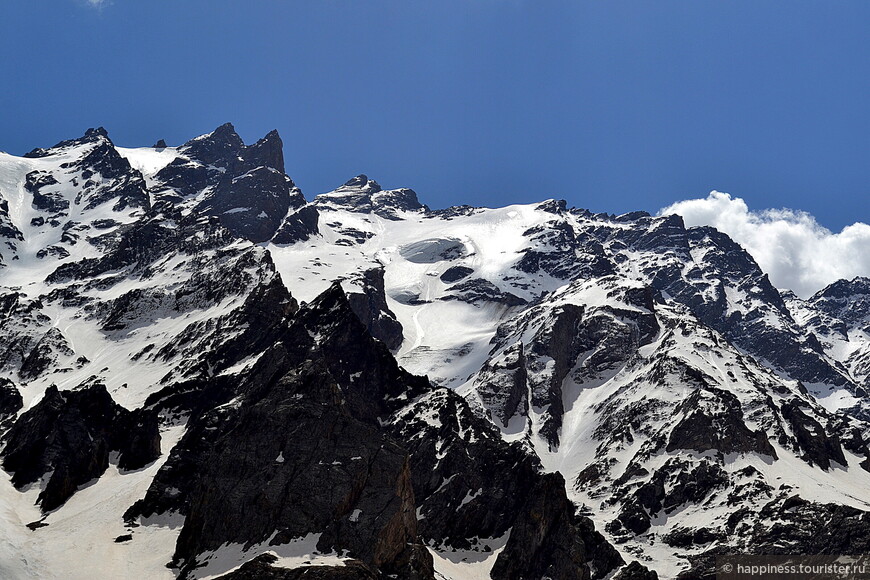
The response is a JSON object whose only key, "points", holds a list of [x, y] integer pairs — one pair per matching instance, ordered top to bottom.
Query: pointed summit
{"points": [[92, 135], [212, 148], [267, 152], [361, 183]]}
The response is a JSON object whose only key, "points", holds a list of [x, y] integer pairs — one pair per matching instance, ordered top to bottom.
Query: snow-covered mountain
{"points": [[204, 375]]}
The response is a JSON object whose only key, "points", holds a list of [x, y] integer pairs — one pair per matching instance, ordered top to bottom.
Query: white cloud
{"points": [[97, 3], [791, 246]]}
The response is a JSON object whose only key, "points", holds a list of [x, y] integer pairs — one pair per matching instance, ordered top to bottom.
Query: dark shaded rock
{"points": [[161, 144], [217, 147], [249, 191], [53, 202], [252, 205], [556, 206], [452, 212], [298, 226], [7, 228], [562, 252], [456, 273], [480, 290], [372, 309], [45, 355], [503, 384], [10, 400], [308, 417], [722, 431], [70, 435], [138, 439], [819, 448], [273, 452], [470, 485], [633, 517], [687, 538], [544, 541], [636, 571]]}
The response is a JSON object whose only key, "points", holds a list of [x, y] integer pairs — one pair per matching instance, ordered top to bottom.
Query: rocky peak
{"points": [[98, 135], [215, 148], [267, 152], [361, 183], [243, 185], [364, 195], [848, 300], [69, 435]]}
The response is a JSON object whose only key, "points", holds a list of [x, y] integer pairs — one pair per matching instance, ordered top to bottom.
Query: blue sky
{"points": [[614, 106]]}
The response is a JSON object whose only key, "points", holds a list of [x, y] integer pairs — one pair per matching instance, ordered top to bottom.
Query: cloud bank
{"points": [[791, 246]]}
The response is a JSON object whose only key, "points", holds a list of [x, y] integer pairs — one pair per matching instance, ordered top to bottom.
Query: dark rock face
{"points": [[249, 191], [50, 202], [252, 205], [299, 226], [8, 231], [561, 252], [456, 273], [480, 290], [848, 301], [372, 309], [18, 318], [560, 336], [45, 354], [503, 384], [10, 401], [306, 419], [722, 431], [70, 435], [819, 448], [471, 485], [363, 500], [544, 541], [635, 571]]}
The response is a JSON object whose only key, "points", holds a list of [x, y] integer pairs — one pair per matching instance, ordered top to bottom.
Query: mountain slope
{"points": [[241, 372]]}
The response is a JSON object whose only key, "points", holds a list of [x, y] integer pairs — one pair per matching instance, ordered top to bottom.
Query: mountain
{"points": [[205, 375]]}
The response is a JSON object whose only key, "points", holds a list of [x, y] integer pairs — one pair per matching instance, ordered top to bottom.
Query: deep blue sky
{"points": [[614, 106]]}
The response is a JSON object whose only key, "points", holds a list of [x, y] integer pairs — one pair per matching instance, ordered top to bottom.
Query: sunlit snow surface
{"points": [[77, 541]]}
